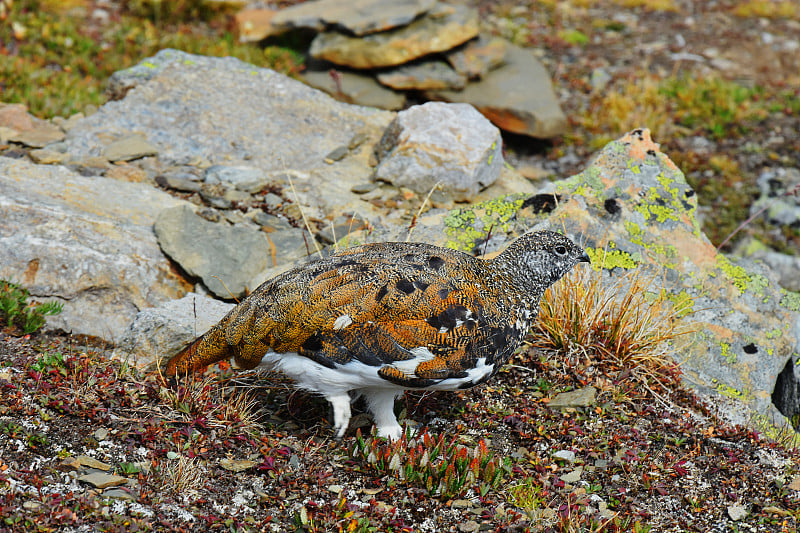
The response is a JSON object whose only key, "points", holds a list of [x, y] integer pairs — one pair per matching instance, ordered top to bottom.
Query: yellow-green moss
{"points": [[469, 225], [610, 258], [735, 273], [682, 302], [726, 352], [727, 390]]}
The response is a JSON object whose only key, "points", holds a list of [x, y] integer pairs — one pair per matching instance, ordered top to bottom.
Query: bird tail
{"points": [[207, 349]]}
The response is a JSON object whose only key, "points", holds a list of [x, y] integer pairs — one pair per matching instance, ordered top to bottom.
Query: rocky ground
{"points": [[91, 445]]}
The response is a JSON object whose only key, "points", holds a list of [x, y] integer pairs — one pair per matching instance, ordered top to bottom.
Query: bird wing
{"points": [[417, 313]]}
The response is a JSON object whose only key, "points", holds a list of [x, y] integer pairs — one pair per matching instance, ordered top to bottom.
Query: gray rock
{"points": [[357, 16], [444, 27], [423, 75], [352, 87], [517, 97], [265, 120], [450, 144], [129, 148], [337, 154], [44, 156], [244, 178], [178, 183], [363, 188], [780, 199], [272, 201], [271, 221], [87, 242], [286, 246], [224, 257], [163, 330], [576, 398], [565, 455], [572, 477], [120, 493], [737, 512]]}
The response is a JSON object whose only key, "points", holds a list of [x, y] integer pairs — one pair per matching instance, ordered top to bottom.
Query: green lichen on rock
{"points": [[587, 184], [469, 225], [610, 258], [737, 274], [759, 285], [790, 300], [682, 302], [725, 352], [727, 390]]}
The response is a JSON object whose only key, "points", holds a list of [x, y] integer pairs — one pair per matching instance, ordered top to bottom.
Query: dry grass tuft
{"points": [[624, 321], [225, 408], [182, 475]]}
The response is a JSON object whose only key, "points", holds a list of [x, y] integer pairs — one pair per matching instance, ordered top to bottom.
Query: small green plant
{"points": [[17, 313], [49, 361], [445, 469], [527, 495]]}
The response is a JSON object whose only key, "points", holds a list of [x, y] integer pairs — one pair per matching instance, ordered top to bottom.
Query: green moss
{"points": [[87, 54], [609, 259], [790, 300], [773, 333]]}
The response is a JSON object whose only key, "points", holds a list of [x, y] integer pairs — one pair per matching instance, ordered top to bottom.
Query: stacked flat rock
{"points": [[372, 52]]}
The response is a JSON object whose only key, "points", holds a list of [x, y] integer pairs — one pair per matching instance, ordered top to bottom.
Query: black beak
{"points": [[585, 258]]}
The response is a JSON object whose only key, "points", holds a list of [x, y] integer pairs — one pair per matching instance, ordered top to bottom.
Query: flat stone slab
{"points": [[358, 17], [443, 28], [477, 57], [425, 75], [352, 87], [517, 97], [203, 111], [129, 148], [84, 241], [225, 257], [577, 398], [101, 481]]}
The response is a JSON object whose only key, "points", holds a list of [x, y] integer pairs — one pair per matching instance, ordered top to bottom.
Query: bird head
{"points": [[538, 259]]}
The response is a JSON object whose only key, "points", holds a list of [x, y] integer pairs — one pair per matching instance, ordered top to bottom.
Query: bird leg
{"points": [[381, 404], [341, 413]]}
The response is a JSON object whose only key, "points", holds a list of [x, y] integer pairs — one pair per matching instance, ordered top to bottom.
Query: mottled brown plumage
{"points": [[384, 317]]}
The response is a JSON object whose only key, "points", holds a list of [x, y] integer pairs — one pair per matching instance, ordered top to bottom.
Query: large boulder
{"points": [[201, 111], [451, 145], [633, 209], [87, 242]]}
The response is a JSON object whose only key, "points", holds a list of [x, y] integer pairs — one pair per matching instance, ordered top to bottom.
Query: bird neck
{"points": [[517, 284]]}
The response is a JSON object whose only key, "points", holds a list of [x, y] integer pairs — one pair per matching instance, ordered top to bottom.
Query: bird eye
{"points": [[561, 250]]}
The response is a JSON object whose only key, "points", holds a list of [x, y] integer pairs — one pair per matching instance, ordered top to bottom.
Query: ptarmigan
{"points": [[377, 319]]}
